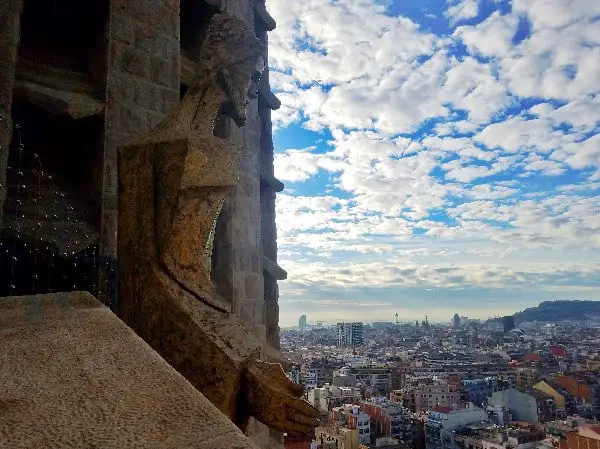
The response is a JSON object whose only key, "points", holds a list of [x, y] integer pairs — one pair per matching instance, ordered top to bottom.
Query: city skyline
{"points": [[435, 154], [434, 316], [316, 320]]}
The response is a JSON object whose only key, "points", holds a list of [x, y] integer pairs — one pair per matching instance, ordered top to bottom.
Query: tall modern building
{"points": [[456, 320], [302, 322], [508, 322], [350, 335]]}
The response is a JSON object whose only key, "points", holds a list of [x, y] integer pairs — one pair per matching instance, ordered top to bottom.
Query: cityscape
{"points": [[316, 224], [500, 383]]}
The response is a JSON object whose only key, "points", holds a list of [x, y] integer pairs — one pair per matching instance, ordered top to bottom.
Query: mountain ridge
{"points": [[559, 310]]}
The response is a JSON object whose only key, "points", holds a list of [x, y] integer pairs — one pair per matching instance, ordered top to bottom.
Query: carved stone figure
{"points": [[172, 183]]}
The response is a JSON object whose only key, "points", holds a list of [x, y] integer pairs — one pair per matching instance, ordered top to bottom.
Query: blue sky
{"points": [[439, 156]]}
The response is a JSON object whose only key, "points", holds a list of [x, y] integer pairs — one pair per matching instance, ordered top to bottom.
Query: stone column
{"points": [[10, 20], [142, 86], [244, 215], [269, 229], [241, 245]]}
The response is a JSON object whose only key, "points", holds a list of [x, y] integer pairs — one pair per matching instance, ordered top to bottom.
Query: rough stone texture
{"points": [[10, 11], [142, 86], [172, 183], [62, 389]]}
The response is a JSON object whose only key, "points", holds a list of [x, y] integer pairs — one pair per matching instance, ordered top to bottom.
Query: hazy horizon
{"points": [[439, 156]]}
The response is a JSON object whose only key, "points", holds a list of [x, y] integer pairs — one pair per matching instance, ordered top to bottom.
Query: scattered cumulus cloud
{"points": [[464, 9], [458, 157]]}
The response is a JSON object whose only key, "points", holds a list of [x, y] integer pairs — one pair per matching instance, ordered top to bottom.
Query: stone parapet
{"points": [[74, 375]]}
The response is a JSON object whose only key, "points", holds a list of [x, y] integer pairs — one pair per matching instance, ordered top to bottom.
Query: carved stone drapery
{"points": [[172, 183]]}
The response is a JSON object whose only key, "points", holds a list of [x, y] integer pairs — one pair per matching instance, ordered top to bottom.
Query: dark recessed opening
{"points": [[194, 18], [64, 33], [182, 91], [69, 149], [52, 210], [221, 259]]}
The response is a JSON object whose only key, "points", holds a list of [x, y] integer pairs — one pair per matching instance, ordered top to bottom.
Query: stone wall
{"points": [[10, 11], [142, 85], [269, 187]]}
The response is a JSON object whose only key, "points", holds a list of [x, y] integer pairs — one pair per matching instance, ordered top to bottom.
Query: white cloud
{"points": [[465, 9], [555, 14], [492, 37], [560, 60], [519, 135], [581, 154], [536, 163], [296, 165], [468, 173], [476, 200], [394, 273]]}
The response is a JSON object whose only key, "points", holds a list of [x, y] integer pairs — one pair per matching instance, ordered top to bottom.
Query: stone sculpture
{"points": [[172, 183]]}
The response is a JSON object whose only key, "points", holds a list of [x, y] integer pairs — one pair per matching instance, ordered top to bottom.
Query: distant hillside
{"points": [[554, 311]]}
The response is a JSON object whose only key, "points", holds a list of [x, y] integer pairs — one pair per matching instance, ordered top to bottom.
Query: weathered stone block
{"points": [[240, 9], [10, 11], [169, 21], [122, 29], [145, 40], [172, 46], [133, 61], [165, 71], [147, 95], [168, 99], [130, 118], [152, 119], [249, 159], [249, 186], [242, 206], [246, 258], [254, 286], [239, 290], [260, 311], [246, 313], [260, 331], [258, 433]]}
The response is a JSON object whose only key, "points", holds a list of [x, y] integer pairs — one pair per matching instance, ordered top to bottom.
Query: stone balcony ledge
{"points": [[271, 181], [274, 270], [74, 375]]}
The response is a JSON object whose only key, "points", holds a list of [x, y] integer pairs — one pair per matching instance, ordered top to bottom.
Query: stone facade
{"points": [[132, 72]]}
